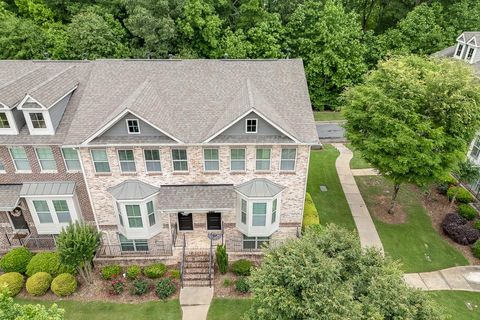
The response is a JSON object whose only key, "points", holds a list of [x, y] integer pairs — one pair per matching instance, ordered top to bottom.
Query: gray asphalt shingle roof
{"points": [[48, 188], [259, 188], [132, 190], [9, 195], [191, 197]]}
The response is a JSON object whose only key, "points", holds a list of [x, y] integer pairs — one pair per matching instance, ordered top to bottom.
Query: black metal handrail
{"points": [[174, 235], [160, 248], [210, 261], [182, 264]]}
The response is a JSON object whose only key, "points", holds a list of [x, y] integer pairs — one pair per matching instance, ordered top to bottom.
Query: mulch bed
{"points": [[380, 211], [223, 291]]}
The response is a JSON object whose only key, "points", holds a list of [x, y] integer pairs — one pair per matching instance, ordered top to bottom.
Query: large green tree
{"points": [[413, 118], [326, 275], [9, 310]]}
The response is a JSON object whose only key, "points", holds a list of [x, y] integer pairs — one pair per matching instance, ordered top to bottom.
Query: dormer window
{"points": [[459, 50], [470, 53], [38, 121], [4, 124], [133, 126], [251, 126]]}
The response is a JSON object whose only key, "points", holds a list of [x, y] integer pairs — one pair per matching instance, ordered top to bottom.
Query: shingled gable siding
{"points": [[11, 177], [290, 207]]}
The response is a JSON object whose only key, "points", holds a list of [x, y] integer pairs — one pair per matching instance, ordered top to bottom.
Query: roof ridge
{"points": [[6, 84]]}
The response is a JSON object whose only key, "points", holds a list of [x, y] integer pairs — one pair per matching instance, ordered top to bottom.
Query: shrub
{"points": [[445, 183], [462, 194], [467, 211], [310, 213], [476, 224], [458, 230], [476, 249], [222, 259], [16, 260], [48, 262], [241, 267], [156, 270], [111, 271], [133, 272], [175, 274], [13, 281], [227, 282], [39, 283], [64, 285], [241, 285], [117, 286], [140, 287], [165, 288]]}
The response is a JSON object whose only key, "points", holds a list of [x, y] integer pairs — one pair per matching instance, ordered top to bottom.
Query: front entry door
{"points": [[18, 220], [185, 221], [214, 221]]}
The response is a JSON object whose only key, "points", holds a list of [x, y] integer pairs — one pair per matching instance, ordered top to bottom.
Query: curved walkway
{"points": [[366, 229], [465, 278]]}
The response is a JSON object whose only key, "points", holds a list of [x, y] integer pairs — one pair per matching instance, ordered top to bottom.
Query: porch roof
{"points": [[47, 188], [9, 195], [196, 197]]}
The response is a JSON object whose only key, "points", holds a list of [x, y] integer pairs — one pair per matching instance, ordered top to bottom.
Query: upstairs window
{"points": [[459, 50], [470, 53], [38, 120], [4, 121], [133, 126], [251, 126], [179, 158], [20, 159], [46, 159], [237, 159], [100, 160], [127, 160], [152, 160], [263, 160], [211, 161], [72, 162], [287, 162]]}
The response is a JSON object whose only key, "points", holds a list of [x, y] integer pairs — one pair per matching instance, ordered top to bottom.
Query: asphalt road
{"points": [[330, 131]]}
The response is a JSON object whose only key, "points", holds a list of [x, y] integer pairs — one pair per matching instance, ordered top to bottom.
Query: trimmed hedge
{"points": [[463, 195], [467, 211], [310, 213], [459, 230], [476, 249], [16, 260], [48, 262], [241, 267], [156, 270], [111, 271], [133, 272], [13, 281], [39, 283], [64, 285]]}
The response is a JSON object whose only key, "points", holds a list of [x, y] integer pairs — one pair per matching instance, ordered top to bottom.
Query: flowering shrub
{"points": [[117, 286]]}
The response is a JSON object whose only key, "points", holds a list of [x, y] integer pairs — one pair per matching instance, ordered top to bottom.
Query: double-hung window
{"points": [[38, 120], [4, 121], [133, 126], [475, 148], [179, 158], [20, 159], [46, 159], [237, 159], [100, 160], [127, 160], [152, 160], [211, 160], [72, 162], [262, 162], [287, 162], [42, 210], [274, 210], [62, 211], [244, 211], [151, 213], [259, 214], [134, 215], [133, 245]]}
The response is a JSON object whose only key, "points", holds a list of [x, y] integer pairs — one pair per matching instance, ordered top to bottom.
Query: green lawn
{"points": [[328, 115], [357, 161], [331, 205], [415, 243], [454, 303], [228, 309], [106, 311]]}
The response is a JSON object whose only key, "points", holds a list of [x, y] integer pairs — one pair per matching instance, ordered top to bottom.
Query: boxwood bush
{"points": [[462, 194], [467, 211], [310, 214], [16, 260], [48, 262], [241, 267], [156, 270], [111, 271], [133, 272], [13, 281], [38, 284], [64, 285], [242, 285], [165, 288]]}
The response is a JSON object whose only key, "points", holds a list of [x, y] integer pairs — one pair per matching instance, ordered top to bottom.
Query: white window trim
{"points": [[461, 53], [473, 54], [246, 125], [128, 128], [13, 130], [49, 130], [244, 159], [65, 160], [159, 160], [204, 160], [294, 160], [93, 161], [173, 161], [269, 161], [40, 163], [120, 164], [15, 165], [55, 227], [146, 231], [258, 231]]}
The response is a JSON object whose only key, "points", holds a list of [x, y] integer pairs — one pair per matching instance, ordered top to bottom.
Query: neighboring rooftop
{"points": [[467, 49]]}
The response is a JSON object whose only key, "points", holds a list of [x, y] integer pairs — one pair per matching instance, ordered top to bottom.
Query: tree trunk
{"points": [[396, 188], [453, 199]]}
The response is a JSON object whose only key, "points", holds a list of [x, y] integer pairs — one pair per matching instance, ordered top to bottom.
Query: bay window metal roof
{"points": [[48, 188], [259, 188], [132, 190], [9, 195], [196, 197]]}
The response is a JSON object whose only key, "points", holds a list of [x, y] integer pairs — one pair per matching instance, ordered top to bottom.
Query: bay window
{"points": [[42, 210], [151, 213], [259, 214], [51, 215], [134, 216], [137, 219]]}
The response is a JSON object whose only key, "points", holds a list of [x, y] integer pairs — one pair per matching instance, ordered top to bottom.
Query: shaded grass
{"points": [[328, 115], [357, 161], [331, 205], [415, 243], [454, 303], [228, 309], [76, 310]]}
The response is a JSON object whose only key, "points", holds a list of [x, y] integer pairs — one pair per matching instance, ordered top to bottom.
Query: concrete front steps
{"points": [[196, 270]]}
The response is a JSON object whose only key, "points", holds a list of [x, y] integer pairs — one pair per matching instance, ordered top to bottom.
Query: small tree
{"points": [[413, 118], [76, 246], [222, 259], [326, 275], [13, 311]]}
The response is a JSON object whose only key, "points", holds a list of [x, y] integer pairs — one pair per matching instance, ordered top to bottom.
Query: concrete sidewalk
{"points": [[365, 172], [366, 229], [465, 278], [195, 302]]}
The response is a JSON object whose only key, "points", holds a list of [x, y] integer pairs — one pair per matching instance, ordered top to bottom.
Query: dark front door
{"points": [[18, 220], [185, 221], [214, 221]]}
